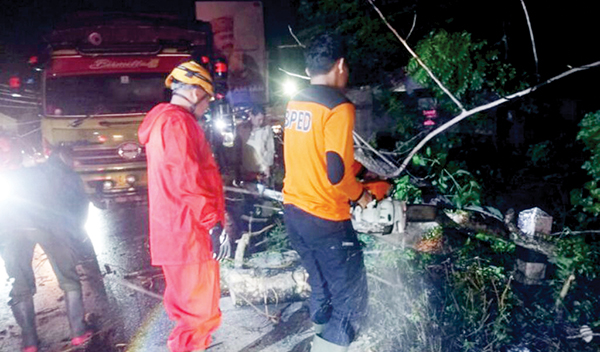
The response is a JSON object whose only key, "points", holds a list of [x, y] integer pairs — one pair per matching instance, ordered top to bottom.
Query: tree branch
{"points": [[413, 26], [294, 36], [532, 40], [293, 74], [435, 79], [487, 106], [360, 141], [574, 232]]}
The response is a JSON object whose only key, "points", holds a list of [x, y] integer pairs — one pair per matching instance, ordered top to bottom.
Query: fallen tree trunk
{"points": [[269, 279]]}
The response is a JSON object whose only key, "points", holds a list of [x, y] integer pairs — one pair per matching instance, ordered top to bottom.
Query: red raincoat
{"points": [[184, 186]]}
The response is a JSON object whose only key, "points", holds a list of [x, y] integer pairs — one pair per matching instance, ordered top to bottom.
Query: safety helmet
{"points": [[192, 73]]}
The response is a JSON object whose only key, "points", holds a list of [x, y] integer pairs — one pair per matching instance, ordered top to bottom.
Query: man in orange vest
{"points": [[318, 187]]}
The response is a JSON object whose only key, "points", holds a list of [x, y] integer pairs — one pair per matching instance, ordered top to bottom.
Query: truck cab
{"points": [[101, 75]]}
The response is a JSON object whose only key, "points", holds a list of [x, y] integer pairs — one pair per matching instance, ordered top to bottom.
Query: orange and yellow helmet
{"points": [[194, 74]]}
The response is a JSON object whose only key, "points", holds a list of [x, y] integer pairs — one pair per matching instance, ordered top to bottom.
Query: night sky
{"points": [[22, 22], [565, 33]]}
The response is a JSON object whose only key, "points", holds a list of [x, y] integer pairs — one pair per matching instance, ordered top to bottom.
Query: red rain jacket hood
{"points": [[185, 190]]}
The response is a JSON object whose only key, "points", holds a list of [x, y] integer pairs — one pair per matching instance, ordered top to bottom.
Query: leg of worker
{"points": [[298, 222], [18, 254], [62, 257], [341, 259], [191, 299], [24, 313], [80, 333]]}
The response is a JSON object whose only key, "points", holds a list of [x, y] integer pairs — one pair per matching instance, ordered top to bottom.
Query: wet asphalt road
{"points": [[122, 296], [115, 308]]}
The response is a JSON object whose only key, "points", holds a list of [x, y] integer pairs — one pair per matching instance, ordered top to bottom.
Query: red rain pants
{"points": [[191, 299]]}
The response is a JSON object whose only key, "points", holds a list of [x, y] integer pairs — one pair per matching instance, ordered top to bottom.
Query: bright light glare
{"points": [[290, 88], [220, 124], [5, 188], [96, 228]]}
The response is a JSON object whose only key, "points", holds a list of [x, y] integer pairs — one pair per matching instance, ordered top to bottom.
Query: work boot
{"points": [[24, 313], [75, 314], [321, 345]]}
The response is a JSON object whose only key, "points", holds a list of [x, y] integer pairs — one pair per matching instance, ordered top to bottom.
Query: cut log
{"points": [[270, 278]]}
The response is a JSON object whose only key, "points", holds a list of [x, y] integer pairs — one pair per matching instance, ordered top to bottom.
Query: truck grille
{"points": [[105, 156]]}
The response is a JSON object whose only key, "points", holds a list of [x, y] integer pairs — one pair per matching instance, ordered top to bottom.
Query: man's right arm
{"points": [[339, 152]]}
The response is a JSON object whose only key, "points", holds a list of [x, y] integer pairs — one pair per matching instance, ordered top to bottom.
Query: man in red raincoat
{"points": [[186, 207]]}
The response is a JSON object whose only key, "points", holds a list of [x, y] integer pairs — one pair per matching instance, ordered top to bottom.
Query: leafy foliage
{"points": [[372, 49], [470, 69], [540, 153], [456, 184], [406, 190], [588, 198], [277, 239], [579, 256], [465, 300], [468, 300], [440, 303]]}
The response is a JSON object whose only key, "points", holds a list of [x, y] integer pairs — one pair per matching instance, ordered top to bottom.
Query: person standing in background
{"points": [[258, 151]]}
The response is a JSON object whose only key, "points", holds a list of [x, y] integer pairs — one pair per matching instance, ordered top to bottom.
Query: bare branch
{"points": [[413, 26], [295, 38], [532, 40], [285, 46], [421, 63], [293, 74], [487, 106], [369, 147], [403, 149], [570, 233], [135, 287], [564, 291]]}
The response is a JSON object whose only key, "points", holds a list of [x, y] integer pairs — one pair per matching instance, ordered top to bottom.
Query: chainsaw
{"points": [[390, 216], [384, 217]]}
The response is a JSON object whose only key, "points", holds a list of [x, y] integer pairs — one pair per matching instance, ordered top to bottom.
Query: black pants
{"points": [[17, 253], [332, 256]]}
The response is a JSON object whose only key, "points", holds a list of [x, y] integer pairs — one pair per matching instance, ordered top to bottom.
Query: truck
{"points": [[102, 72], [100, 75]]}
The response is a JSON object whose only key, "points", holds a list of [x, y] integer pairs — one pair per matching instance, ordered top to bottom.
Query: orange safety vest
{"points": [[318, 129]]}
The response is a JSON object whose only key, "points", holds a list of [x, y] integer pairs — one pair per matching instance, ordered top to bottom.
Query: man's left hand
{"points": [[220, 242]]}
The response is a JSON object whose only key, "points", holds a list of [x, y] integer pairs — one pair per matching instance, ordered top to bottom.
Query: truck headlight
{"points": [[130, 179], [108, 185]]}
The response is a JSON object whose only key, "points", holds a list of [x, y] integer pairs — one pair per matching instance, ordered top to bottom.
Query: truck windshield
{"points": [[104, 94]]}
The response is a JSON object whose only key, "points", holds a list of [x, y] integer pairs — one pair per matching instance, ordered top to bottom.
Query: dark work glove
{"points": [[220, 242]]}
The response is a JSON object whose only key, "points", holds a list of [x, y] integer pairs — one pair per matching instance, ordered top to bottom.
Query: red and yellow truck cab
{"points": [[101, 77]]}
